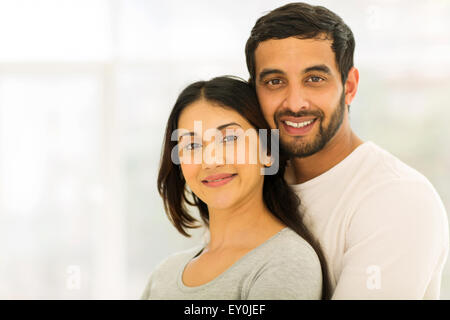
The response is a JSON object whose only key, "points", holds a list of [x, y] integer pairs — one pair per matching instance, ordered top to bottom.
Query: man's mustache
{"points": [[315, 113]]}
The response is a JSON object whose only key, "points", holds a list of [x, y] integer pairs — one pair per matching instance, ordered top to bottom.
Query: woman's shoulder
{"points": [[289, 245], [175, 259], [287, 268], [167, 269]]}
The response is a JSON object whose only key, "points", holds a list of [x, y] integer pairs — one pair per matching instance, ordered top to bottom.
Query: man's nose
{"points": [[296, 98]]}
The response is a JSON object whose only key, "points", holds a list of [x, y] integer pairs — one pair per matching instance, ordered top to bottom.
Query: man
{"points": [[381, 224]]}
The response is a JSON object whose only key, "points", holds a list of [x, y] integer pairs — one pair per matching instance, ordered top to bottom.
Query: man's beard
{"points": [[295, 147]]}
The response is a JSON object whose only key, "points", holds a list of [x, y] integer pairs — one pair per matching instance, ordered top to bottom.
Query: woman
{"points": [[258, 247]]}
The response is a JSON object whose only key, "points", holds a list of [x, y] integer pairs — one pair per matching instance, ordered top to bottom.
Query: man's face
{"points": [[300, 91]]}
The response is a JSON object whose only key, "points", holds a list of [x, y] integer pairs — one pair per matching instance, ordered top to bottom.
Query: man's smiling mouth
{"points": [[299, 124], [298, 127]]}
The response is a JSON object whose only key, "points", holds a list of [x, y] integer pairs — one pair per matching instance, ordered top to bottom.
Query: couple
{"points": [[339, 218]]}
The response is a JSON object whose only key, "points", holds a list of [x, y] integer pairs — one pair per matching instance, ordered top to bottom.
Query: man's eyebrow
{"points": [[320, 67], [266, 72]]}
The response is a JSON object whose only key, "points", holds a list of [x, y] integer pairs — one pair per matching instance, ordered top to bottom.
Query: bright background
{"points": [[86, 88]]}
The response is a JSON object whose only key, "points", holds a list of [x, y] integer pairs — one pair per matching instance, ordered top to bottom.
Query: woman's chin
{"points": [[221, 203]]}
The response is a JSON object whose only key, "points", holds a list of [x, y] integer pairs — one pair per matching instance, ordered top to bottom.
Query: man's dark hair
{"points": [[303, 21]]}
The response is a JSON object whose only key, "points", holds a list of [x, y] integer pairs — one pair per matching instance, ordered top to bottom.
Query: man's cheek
{"points": [[268, 107], [268, 112], [269, 116]]}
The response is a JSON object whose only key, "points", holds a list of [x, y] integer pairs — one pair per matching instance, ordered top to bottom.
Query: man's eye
{"points": [[314, 79], [274, 82], [229, 138], [192, 146]]}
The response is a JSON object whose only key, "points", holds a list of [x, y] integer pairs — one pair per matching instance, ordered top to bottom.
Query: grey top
{"points": [[284, 267]]}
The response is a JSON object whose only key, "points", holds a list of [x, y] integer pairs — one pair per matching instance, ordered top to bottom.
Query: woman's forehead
{"points": [[210, 115]]}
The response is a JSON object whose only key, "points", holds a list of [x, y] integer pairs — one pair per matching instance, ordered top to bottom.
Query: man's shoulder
{"points": [[379, 166], [385, 176], [394, 191], [398, 201]]}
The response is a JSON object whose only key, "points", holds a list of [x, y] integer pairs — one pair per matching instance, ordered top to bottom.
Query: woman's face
{"points": [[219, 160]]}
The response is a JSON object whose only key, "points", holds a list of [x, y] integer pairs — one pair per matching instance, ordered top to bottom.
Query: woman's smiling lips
{"points": [[218, 180]]}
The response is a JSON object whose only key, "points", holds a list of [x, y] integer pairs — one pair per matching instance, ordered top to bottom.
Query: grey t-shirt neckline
{"points": [[185, 288]]}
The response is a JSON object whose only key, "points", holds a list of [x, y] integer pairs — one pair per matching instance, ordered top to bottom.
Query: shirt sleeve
{"points": [[396, 243], [293, 274], [146, 294]]}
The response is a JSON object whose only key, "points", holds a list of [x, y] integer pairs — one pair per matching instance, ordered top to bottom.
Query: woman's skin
{"points": [[238, 218]]}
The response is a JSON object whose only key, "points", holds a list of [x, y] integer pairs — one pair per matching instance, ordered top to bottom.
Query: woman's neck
{"points": [[241, 226]]}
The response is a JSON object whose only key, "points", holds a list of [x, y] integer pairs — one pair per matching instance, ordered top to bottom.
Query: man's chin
{"points": [[300, 149]]}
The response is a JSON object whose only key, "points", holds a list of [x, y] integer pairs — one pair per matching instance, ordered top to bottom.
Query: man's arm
{"points": [[396, 243], [146, 293]]}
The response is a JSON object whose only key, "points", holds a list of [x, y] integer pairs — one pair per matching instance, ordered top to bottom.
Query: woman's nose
{"points": [[213, 155]]}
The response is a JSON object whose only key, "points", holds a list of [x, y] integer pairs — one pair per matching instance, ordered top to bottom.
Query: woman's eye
{"points": [[230, 138], [192, 146]]}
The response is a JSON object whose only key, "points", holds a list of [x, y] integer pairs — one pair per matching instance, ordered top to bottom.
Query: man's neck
{"points": [[336, 150]]}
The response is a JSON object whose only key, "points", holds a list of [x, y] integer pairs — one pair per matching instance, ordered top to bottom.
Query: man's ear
{"points": [[351, 85]]}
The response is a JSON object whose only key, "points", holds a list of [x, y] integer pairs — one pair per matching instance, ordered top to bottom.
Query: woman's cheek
{"points": [[190, 172]]}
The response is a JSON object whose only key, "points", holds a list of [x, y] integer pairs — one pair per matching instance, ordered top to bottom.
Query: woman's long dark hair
{"points": [[235, 94]]}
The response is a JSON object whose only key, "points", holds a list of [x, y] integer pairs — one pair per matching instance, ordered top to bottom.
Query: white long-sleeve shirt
{"points": [[381, 224]]}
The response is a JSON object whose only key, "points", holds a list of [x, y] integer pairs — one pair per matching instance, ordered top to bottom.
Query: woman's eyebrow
{"points": [[227, 125], [221, 127], [186, 134]]}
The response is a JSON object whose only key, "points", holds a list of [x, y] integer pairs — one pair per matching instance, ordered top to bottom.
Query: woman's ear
{"points": [[268, 162]]}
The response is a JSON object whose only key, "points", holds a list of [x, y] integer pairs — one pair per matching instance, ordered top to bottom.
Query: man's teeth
{"points": [[299, 124]]}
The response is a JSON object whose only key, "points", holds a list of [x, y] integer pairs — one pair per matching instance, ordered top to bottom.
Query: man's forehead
{"points": [[304, 43], [293, 52]]}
